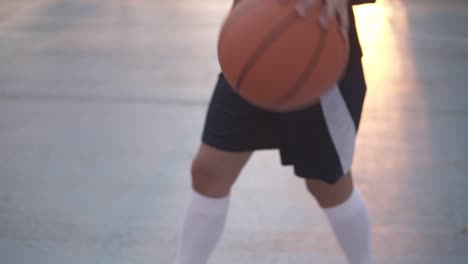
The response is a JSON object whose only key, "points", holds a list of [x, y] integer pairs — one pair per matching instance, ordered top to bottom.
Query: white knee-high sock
{"points": [[352, 227], [202, 228]]}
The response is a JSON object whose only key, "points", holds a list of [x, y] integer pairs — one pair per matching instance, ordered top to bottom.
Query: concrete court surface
{"points": [[101, 109]]}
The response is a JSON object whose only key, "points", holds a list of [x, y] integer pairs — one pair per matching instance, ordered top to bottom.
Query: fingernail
{"points": [[300, 11], [323, 22], [344, 32]]}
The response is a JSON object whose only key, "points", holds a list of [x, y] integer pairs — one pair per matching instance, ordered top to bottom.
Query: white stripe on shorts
{"points": [[340, 126]]}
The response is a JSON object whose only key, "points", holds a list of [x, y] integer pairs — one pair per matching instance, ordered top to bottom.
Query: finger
{"points": [[283, 2], [303, 6], [330, 9], [301, 10], [327, 12], [343, 15], [323, 22]]}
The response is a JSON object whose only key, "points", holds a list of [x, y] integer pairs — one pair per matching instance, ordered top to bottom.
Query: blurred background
{"points": [[101, 109]]}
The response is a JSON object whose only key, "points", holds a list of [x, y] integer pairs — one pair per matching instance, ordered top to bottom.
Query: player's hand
{"points": [[337, 8]]}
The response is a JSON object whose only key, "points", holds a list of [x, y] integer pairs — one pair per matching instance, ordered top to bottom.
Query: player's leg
{"points": [[233, 129], [320, 143], [213, 174], [333, 186], [348, 216]]}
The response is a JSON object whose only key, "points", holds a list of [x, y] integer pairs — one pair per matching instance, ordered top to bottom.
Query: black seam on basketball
{"points": [[275, 33], [311, 66]]}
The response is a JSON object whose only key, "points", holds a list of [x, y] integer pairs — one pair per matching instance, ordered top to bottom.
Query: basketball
{"points": [[278, 60]]}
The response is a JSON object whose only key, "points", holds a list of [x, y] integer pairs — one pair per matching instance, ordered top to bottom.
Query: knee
{"points": [[202, 173], [208, 181], [320, 191], [330, 195]]}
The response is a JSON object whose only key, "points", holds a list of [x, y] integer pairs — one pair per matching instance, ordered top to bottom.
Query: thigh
{"points": [[234, 125]]}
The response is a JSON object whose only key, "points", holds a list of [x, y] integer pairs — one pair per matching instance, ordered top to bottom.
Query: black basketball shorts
{"points": [[318, 141]]}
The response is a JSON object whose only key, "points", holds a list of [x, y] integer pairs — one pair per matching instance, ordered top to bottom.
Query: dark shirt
{"points": [[358, 2], [354, 44], [355, 51]]}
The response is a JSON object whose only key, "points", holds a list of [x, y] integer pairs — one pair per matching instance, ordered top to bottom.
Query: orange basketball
{"points": [[276, 59]]}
